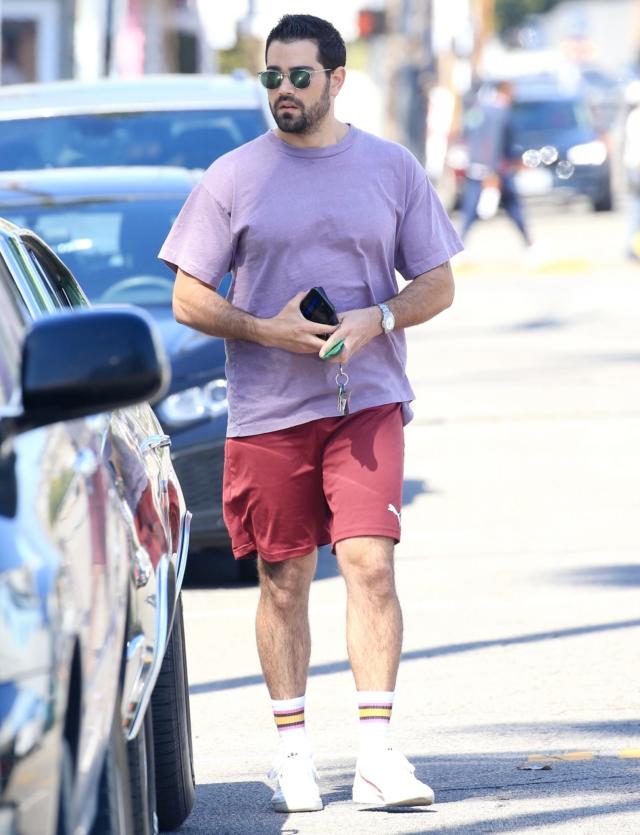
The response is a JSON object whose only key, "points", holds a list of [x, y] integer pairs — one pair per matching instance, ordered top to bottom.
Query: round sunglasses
{"points": [[272, 79]]}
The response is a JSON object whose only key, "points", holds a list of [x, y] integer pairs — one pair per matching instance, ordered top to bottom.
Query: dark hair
{"points": [[332, 52]]}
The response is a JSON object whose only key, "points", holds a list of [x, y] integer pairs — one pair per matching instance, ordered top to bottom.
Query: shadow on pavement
{"points": [[414, 487], [605, 575], [433, 652], [492, 782]]}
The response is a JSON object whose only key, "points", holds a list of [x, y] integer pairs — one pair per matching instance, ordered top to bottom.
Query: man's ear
{"points": [[337, 80]]}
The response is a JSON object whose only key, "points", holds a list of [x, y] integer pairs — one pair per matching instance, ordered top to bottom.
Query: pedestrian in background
{"points": [[632, 169], [490, 177], [317, 202]]}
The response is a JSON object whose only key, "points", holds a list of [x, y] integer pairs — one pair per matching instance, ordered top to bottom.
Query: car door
{"points": [[150, 500], [101, 563], [69, 594]]}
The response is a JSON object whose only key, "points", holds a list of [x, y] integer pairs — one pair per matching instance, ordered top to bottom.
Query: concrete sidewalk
{"points": [[519, 575]]}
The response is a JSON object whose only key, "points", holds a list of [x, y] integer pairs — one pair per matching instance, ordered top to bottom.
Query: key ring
{"points": [[343, 374]]}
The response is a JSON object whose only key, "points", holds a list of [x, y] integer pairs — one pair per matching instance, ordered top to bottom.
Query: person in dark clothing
{"points": [[490, 176]]}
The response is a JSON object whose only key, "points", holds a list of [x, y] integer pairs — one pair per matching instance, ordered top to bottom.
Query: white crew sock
{"points": [[374, 708], [289, 718]]}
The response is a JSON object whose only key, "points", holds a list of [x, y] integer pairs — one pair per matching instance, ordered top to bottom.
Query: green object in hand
{"points": [[335, 350]]}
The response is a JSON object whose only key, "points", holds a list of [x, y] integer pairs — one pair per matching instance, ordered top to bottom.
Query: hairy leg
{"points": [[374, 617], [282, 624]]}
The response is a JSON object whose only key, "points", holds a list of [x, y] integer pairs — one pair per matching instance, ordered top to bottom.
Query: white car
{"points": [[184, 120]]}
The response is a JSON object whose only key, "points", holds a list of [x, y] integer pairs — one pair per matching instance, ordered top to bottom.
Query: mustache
{"points": [[289, 100]]}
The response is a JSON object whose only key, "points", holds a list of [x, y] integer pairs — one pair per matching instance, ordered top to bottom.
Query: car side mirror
{"points": [[85, 362]]}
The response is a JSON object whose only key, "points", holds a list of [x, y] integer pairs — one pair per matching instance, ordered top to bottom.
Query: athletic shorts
{"points": [[288, 491]]}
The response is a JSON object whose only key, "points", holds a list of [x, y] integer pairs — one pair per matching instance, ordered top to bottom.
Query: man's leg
{"points": [[470, 198], [374, 617], [282, 624], [374, 643], [284, 647]]}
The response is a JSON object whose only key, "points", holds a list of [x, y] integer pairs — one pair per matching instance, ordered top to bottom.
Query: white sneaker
{"points": [[386, 778], [297, 789]]}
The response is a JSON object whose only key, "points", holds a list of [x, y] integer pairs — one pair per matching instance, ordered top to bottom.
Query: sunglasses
{"points": [[272, 79]]}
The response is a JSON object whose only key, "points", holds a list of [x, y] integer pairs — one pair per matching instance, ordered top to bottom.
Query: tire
{"points": [[604, 202], [173, 748], [140, 757], [65, 792], [113, 813]]}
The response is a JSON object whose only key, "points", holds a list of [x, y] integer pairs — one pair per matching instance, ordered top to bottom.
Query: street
{"points": [[518, 570]]}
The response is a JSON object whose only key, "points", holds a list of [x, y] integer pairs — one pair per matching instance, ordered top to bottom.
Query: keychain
{"points": [[342, 379]]}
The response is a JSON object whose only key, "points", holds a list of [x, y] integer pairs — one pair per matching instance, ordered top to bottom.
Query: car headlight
{"points": [[591, 153], [194, 404]]}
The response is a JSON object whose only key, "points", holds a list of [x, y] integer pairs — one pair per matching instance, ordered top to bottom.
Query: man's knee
{"points": [[367, 565], [286, 583]]}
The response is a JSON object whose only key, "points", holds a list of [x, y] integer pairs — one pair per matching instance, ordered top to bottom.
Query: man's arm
{"points": [[422, 299], [199, 306]]}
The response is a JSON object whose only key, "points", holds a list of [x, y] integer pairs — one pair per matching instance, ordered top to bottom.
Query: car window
{"points": [[547, 116], [189, 138], [111, 247], [61, 287], [13, 324]]}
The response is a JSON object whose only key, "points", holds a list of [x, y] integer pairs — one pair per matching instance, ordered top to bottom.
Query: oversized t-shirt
{"points": [[284, 219]]}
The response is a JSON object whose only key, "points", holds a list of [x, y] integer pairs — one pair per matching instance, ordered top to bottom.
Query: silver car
{"points": [[184, 120], [94, 535]]}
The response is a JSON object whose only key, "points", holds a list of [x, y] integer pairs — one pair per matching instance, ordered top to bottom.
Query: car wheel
{"points": [[173, 749], [140, 756], [113, 814], [65, 826]]}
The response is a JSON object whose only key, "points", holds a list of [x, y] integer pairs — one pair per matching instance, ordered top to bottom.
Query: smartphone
{"points": [[316, 307]]}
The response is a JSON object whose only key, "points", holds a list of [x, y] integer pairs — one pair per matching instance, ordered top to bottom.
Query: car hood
{"points": [[562, 140], [195, 357]]}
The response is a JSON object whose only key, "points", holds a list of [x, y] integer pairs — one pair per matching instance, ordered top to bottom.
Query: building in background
{"points": [[106, 38], [36, 43]]}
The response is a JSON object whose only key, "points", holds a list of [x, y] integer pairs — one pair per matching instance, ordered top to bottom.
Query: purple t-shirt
{"points": [[284, 219]]}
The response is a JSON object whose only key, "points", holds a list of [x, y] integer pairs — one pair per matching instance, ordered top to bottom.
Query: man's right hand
{"points": [[290, 331]]}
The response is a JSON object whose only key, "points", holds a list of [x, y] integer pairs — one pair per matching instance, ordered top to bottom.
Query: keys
{"points": [[342, 378]]}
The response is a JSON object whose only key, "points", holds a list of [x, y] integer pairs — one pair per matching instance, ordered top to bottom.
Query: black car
{"points": [[108, 224], [94, 536]]}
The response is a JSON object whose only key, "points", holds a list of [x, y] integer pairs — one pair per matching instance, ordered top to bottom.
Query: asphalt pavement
{"points": [[518, 570]]}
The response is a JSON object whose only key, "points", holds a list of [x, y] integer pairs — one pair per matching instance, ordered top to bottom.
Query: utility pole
{"points": [[412, 71]]}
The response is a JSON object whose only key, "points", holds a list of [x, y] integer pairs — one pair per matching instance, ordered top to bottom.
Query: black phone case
{"points": [[316, 307]]}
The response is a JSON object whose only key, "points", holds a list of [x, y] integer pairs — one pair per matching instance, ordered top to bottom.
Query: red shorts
{"points": [[288, 491]]}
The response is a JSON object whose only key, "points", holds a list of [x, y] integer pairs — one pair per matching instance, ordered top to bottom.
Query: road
{"points": [[518, 570]]}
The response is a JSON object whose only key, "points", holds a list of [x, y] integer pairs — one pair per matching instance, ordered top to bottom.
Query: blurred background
{"points": [[417, 60], [165, 86]]}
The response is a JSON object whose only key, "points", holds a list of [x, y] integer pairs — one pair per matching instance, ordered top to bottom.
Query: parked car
{"points": [[548, 117], [184, 120], [575, 161], [108, 225], [94, 536]]}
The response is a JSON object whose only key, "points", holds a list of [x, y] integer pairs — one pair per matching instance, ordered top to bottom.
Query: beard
{"points": [[307, 118]]}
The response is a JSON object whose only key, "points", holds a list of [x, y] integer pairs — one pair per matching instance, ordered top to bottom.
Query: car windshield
{"points": [[548, 116], [189, 138], [110, 246]]}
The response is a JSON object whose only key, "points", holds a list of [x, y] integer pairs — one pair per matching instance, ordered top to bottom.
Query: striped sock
{"points": [[374, 708], [289, 718]]}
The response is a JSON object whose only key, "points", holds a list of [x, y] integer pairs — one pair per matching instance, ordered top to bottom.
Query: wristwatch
{"points": [[388, 319]]}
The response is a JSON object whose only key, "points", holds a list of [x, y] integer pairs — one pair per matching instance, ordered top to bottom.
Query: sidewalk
{"points": [[519, 576]]}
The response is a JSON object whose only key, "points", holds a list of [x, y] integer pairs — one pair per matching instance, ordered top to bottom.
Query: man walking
{"points": [[492, 165], [317, 202]]}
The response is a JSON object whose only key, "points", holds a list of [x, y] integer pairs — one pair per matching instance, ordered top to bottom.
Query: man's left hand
{"points": [[357, 327]]}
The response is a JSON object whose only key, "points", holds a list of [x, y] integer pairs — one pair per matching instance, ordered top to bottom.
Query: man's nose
{"points": [[286, 81]]}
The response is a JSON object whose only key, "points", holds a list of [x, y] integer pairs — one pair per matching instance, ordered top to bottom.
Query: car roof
{"points": [[146, 93], [61, 185]]}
